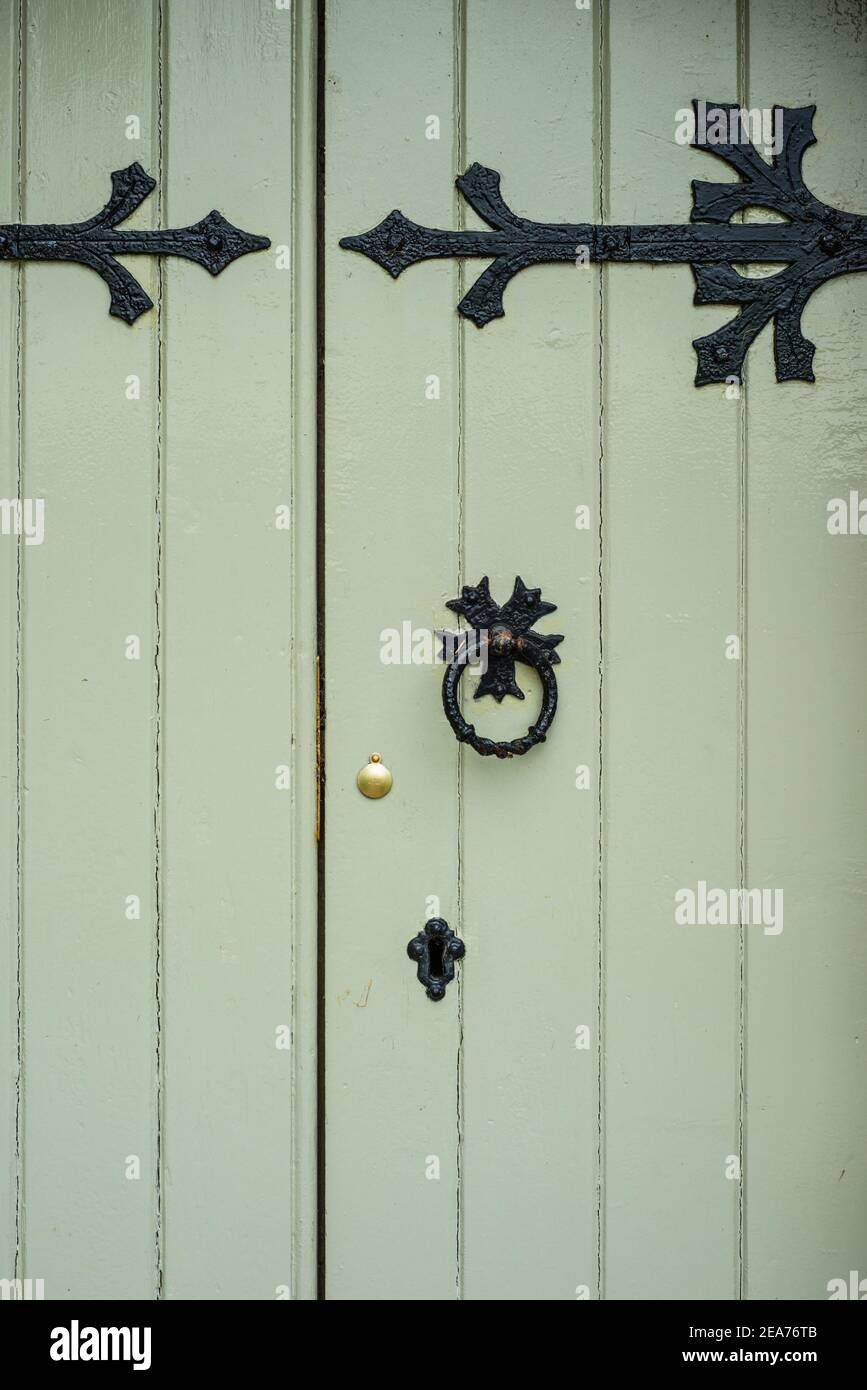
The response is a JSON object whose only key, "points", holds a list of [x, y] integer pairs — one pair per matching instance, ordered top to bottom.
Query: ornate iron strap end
{"points": [[213, 243], [815, 244]]}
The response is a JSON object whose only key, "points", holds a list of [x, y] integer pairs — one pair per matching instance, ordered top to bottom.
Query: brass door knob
{"points": [[374, 779]]}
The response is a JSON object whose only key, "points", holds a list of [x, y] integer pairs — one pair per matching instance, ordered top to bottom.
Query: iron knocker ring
{"points": [[503, 637]]}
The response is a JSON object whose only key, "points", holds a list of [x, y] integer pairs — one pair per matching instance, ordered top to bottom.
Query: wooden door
{"points": [[158, 673], [220, 1075], [606, 1104]]}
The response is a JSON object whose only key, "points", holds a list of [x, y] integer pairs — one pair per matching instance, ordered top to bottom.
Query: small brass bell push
{"points": [[374, 780]]}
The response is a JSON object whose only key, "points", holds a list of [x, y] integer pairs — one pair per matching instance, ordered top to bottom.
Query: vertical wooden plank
{"points": [[391, 525], [9, 546], [304, 648], [238, 721], [670, 723], [806, 756], [88, 773], [530, 844]]}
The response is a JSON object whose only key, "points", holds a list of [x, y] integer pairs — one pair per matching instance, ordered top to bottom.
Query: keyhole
{"points": [[436, 953]]}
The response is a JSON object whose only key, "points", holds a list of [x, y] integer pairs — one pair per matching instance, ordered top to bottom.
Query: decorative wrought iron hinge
{"points": [[213, 243], [815, 244]]}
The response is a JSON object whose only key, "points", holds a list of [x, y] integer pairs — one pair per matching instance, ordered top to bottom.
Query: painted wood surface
{"points": [[530, 416], [392, 505], [10, 547], [670, 697], [87, 711], [167, 975], [607, 1104], [806, 1126], [710, 1142]]}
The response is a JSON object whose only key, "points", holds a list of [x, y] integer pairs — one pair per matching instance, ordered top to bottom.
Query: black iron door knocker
{"points": [[498, 637]]}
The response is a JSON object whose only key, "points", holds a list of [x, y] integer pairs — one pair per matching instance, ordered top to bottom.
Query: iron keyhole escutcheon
{"points": [[435, 950]]}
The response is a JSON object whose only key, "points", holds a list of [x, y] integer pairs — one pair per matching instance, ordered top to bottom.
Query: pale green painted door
{"points": [[157, 670], [606, 1103], [709, 1139]]}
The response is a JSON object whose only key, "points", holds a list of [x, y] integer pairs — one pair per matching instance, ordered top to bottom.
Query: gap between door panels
{"points": [[321, 708]]}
